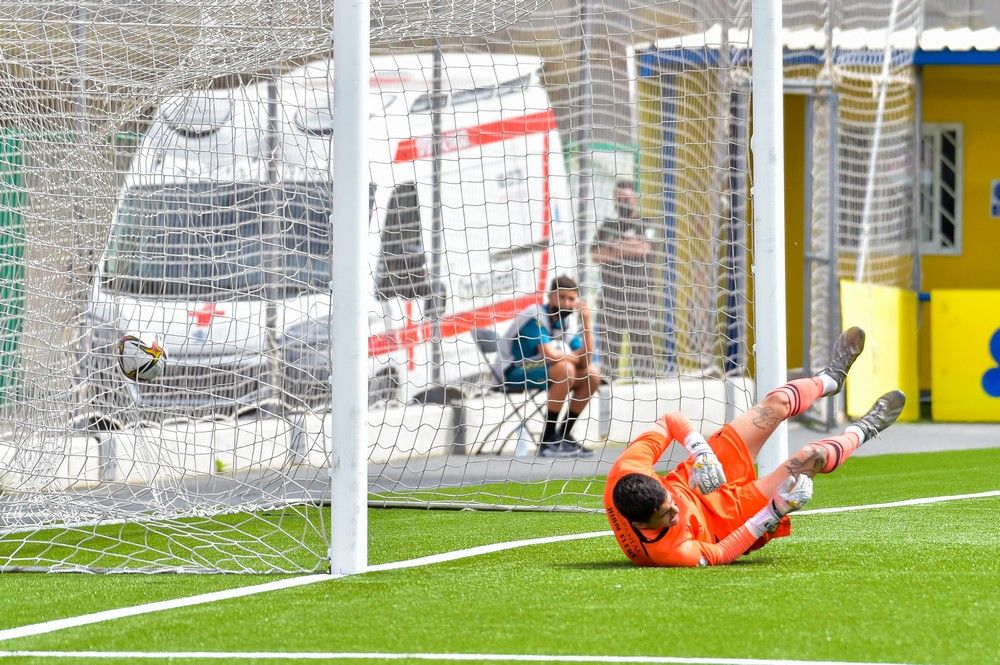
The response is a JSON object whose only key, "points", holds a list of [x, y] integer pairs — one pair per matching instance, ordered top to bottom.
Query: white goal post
{"points": [[767, 145], [349, 339]]}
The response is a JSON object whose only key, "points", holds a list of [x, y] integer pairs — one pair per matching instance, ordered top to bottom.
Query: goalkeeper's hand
{"points": [[707, 474], [793, 494]]}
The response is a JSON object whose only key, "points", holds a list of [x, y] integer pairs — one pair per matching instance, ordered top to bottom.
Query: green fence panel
{"points": [[12, 199]]}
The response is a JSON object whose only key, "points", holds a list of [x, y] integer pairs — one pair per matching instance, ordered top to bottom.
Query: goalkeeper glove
{"points": [[707, 474], [792, 495]]}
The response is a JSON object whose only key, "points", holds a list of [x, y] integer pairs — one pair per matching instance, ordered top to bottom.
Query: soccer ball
{"points": [[140, 362]]}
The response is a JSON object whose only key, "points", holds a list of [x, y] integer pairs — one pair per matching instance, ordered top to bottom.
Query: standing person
{"points": [[623, 251], [547, 348], [712, 508]]}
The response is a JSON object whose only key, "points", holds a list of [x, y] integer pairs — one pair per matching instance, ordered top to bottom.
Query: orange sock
{"points": [[801, 393], [838, 449]]}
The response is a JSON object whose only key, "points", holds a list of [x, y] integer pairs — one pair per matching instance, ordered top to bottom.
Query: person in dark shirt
{"points": [[623, 250]]}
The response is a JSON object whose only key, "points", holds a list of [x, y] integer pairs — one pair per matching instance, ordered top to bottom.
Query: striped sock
{"points": [[830, 384], [801, 393], [838, 449]]}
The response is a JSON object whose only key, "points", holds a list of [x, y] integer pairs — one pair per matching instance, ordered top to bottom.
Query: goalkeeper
{"points": [[712, 508]]}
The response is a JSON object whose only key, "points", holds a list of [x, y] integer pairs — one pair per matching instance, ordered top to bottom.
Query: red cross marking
{"points": [[204, 314]]}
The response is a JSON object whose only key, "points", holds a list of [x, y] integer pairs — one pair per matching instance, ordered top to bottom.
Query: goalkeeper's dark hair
{"points": [[563, 283], [638, 496]]}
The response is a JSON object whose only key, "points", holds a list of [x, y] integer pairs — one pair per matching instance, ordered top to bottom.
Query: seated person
{"points": [[545, 348]]}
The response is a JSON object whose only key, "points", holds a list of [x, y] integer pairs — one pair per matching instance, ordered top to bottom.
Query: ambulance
{"points": [[220, 246]]}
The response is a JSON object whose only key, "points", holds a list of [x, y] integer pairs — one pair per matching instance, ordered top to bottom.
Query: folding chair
{"points": [[523, 403]]}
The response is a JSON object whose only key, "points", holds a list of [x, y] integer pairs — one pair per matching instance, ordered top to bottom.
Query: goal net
{"points": [[861, 168], [165, 172]]}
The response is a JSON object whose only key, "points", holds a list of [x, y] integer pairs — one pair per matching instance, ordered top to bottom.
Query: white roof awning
{"points": [[934, 39], [960, 39]]}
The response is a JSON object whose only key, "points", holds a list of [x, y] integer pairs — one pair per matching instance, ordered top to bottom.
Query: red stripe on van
{"points": [[422, 147], [546, 216], [451, 326], [411, 335]]}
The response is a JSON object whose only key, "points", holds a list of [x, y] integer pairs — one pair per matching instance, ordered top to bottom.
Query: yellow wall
{"points": [[970, 96], [795, 110], [699, 113], [650, 135], [693, 148], [651, 163], [886, 313], [966, 355]]}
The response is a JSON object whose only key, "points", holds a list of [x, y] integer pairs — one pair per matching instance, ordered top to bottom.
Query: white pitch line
{"points": [[898, 504], [483, 549], [240, 592], [147, 608], [460, 657]]}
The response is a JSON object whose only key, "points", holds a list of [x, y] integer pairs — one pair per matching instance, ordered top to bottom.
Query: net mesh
{"points": [[166, 173], [861, 223]]}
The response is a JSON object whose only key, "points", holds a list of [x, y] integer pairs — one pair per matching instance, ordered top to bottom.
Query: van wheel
{"points": [[383, 387], [444, 395], [96, 422]]}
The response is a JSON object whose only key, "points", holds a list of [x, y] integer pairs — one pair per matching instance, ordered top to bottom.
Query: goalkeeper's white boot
{"points": [[846, 350], [883, 413]]}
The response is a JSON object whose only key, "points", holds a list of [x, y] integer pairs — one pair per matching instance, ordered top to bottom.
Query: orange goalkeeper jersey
{"points": [[709, 531]]}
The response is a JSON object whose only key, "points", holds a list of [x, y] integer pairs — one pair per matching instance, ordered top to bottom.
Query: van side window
{"points": [[516, 86], [460, 97], [423, 102], [402, 266]]}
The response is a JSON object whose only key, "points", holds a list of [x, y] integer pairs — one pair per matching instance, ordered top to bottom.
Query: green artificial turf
{"points": [[283, 539], [918, 584]]}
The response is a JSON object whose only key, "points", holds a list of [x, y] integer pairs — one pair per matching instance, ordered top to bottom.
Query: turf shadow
{"points": [[628, 565]]}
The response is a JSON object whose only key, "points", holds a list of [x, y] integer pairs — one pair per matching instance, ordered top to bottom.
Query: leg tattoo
{"points": [[765, 418], [810, 461]]}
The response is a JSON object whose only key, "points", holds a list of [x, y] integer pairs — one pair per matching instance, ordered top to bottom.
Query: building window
{"points": [[941, 189]]}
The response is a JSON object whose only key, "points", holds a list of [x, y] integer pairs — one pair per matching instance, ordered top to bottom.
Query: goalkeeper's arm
{"points": [[707, 474]]}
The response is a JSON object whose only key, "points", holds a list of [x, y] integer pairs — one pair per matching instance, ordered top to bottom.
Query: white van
{"points": [[220, 242]]}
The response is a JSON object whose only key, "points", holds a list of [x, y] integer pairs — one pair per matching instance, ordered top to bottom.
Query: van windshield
{"points": [[303, 214], [218, 240]]}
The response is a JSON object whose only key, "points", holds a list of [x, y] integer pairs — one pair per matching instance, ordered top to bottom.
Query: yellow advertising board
{"points": [[888, 316], [965, 355]]}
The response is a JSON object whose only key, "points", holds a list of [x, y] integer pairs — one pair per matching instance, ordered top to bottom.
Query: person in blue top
{"points": [[549, 346]]}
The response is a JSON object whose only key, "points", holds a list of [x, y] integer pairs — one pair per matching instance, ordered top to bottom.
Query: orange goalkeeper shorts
{"points": [[727, 508]]}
